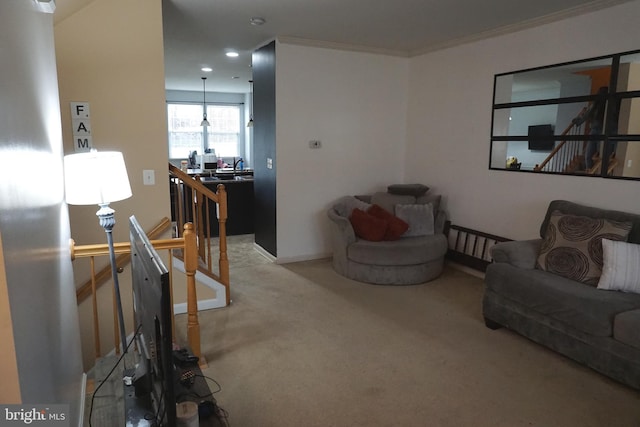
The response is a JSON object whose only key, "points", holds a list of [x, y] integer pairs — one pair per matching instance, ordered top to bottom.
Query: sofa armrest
{"points": [[439, 220], [342, 231], [519, 253]]}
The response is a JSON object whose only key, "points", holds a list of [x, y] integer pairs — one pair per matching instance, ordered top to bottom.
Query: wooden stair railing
{"points": [[597, 164], [192, 201], [186, 243]]}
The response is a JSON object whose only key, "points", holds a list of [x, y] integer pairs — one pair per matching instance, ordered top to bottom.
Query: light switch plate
{"points": [[149, 177]]}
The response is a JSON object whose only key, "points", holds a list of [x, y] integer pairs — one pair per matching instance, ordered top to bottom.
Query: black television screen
{"points": [[541, 138], [152, 316]]}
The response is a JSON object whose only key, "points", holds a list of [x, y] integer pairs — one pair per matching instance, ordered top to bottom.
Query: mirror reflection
{"points": [[566, 119]]}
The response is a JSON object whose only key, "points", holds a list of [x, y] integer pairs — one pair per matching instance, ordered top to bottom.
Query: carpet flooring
{"points": [[302, 346]]}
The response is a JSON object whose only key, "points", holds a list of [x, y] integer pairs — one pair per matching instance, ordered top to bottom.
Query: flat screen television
{"points": [[540, 138], [154, 376]]}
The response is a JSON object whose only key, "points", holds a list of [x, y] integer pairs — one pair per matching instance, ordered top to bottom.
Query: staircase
{"points": [[569, 156]]}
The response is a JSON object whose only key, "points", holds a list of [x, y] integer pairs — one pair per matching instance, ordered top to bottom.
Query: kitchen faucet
{"points": [[235, 163]]}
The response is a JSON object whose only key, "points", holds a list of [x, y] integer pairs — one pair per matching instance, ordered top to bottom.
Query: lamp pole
{"points": [[107, 221]]}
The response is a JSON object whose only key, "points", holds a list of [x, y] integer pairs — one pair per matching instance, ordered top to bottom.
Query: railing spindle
{"points": [[94, 298]]}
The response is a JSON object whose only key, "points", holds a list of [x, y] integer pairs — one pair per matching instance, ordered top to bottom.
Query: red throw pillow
{"points": [[367, 226], [396, 227]]}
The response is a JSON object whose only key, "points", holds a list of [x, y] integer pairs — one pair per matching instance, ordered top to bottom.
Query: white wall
{"points": [[355, 104], [450, 118]]}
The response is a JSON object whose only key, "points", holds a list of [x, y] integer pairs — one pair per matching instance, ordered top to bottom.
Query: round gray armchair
{"points": [[416, 256]]}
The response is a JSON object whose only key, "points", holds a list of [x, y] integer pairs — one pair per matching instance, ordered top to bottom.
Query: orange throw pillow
{"points": [[367, 226], [396, 227]]}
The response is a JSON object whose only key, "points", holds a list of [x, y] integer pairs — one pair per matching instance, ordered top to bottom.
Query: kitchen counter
{"points": [[225, 174], [240, 199], [239, 204]]}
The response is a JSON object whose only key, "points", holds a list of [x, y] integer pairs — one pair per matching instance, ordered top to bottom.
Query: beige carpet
{"points": [[240, 252], [303, 346]]}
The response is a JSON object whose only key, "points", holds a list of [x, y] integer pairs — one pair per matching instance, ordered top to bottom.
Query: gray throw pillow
{"points": [[416, 190], [434, 199], [388, 201], [419, 218]]}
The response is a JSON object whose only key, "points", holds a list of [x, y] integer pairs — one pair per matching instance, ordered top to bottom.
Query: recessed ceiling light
{"points": [[256, 20], [232, 54], [207, 69], [235, 77]]}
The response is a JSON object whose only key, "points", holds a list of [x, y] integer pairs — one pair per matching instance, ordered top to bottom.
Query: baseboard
{"points": [[262, 251], [301, 258], [221, 292], [203, 305], [83, 396]]}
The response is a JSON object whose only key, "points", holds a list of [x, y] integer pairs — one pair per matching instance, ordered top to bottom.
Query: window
{"points": [[224, 133], [185, 134]]}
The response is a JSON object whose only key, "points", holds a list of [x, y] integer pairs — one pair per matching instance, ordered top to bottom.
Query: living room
{"points": [[381, 119], [427, 119]]}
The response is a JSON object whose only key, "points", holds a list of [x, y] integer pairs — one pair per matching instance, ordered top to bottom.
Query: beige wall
{"points": [[110, 54]]}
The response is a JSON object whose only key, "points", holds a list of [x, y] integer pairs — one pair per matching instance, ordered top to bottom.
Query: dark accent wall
{"points": [[264, 146]]}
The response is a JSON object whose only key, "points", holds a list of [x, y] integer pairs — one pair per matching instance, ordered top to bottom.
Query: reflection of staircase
{"points": [[568, 156], [597, 163]]}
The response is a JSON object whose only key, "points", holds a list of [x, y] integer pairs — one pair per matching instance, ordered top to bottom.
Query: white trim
{"points": [[262, 251], [288, 260], [221, 292], [83, 395]]}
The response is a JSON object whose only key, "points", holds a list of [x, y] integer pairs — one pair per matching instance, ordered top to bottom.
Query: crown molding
{"points": [[495, 32], [341, 46]]}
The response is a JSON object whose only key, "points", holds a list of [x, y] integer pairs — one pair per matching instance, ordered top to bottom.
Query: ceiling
{"points": [[197, 33]]}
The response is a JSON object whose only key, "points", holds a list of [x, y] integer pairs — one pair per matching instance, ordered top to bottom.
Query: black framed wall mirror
{"points": [[576, 118]]}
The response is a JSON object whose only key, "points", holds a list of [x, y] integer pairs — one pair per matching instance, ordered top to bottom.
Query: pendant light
{"points": [[204, 122], [250, 124]]}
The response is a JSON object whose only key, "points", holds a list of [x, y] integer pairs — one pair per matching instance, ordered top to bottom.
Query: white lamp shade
{"points": [[96, 177]]}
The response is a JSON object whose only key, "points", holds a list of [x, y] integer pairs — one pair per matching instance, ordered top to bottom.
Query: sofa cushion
{"points": [[408, 189], [434, 199], [388, 201], [345, 205], [419, 218], [367, 226], [396, 227], [572, 245], [405, 251], [621, 269], [582, 307], [626, 326]]}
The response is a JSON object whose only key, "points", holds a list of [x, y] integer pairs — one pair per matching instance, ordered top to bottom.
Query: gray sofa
{"points": [[406, 261], [598, 328]]}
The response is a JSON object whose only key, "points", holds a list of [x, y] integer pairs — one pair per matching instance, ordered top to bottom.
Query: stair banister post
{"points": [[223, 262], [190, 266]]}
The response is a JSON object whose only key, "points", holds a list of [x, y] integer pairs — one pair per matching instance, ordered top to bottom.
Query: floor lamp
{"points": [[100, 178]]}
